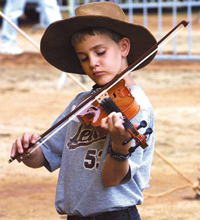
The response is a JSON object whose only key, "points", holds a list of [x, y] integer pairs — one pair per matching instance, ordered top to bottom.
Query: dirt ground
{"points": [[30, 100]]}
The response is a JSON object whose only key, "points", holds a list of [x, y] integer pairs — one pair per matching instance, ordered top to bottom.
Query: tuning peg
{"points": [[143, 124], [148, 131]]}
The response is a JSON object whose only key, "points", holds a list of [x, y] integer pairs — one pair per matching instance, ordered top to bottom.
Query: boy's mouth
{"points": [[97, 73]]}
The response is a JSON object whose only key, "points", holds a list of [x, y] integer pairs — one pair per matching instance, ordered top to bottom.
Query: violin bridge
{"points": [[102, 97]]}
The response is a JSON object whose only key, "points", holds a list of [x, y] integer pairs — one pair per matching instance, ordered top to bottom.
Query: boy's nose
{"points": [[94, 62]]}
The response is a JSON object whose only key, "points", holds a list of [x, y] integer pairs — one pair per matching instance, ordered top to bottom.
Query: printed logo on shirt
{"points": [[84, 137]]}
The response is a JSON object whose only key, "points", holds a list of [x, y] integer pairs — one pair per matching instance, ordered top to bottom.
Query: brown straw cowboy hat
{"points": [[58, 51]]}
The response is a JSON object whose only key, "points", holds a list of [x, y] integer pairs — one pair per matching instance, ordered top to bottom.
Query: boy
{"points": [[94, 184]]}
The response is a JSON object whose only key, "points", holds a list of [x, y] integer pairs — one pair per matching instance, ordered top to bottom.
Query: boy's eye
{"points": [[101, 53], [84, 59]]}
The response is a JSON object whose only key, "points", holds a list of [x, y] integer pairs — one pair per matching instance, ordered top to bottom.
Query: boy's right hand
{"points": [[21, 144]]}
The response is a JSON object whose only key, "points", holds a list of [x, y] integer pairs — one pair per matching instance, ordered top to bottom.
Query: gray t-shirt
{"points": [[80, 153]]}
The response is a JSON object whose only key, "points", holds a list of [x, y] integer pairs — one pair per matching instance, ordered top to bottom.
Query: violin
{"points": [[118, 94], [106, 98], [117, 99]]}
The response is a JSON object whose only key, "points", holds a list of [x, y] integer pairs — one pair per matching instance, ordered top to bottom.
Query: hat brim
{"points": [[56, 47]]}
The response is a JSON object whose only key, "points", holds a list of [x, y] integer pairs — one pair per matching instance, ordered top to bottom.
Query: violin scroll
{"points": [[140, 138], [139, 141]]}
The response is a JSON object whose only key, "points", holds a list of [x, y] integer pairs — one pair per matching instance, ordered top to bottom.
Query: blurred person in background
{"points": [[14, 9]]}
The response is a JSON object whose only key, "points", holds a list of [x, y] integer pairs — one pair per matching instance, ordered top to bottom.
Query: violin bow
{"points": [[88, 101]]}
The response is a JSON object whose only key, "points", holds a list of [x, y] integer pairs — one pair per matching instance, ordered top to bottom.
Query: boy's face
{"points": [[101, 58]]}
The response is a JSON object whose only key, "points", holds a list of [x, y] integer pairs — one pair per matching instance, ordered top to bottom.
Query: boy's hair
{"points": [[80, 36]]}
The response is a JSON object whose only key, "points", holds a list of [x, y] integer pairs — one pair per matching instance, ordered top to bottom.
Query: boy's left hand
{"points": [[113, 123]]}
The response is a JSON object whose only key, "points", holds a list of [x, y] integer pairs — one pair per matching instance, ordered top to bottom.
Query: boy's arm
{"points": [[35, 160], [114, 171]]}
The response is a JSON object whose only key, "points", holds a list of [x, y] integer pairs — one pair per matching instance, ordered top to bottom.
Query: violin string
{"points": [[110, 106]]}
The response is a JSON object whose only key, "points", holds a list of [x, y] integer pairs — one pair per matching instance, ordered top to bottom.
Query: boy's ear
{"points": [[125, 46]]}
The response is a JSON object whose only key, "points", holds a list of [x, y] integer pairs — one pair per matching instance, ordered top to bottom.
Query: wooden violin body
{"points": [[122, 97]]}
